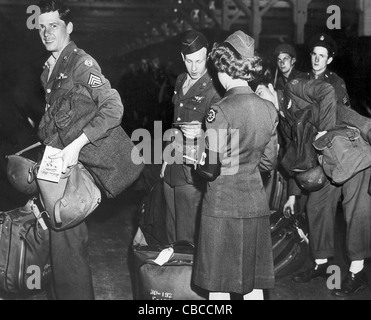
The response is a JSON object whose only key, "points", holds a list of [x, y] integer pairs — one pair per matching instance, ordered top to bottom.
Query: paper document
{"points": [[50, 169]]}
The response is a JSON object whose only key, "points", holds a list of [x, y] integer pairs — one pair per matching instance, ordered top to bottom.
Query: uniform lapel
{"points": [[66, 52], [198, 86]]}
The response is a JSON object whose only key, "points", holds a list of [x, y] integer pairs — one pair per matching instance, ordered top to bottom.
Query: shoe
{"points": [[315, 272], [353, 283]]}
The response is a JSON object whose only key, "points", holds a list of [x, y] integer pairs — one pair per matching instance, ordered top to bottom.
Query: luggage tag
{"points": [[38, 216], [301, 233], [164, 256]]}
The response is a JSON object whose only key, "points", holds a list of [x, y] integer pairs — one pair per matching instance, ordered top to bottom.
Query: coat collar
{"points": [[64, 56], [200, 85], [239, 90]]}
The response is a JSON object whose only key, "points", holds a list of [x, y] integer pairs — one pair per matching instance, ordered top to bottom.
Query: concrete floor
{"points": [[111, 230]]}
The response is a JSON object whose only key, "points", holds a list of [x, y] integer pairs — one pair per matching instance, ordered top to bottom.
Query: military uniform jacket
{"points": [[75, 67], [282, 80], [338, 84], [317, 95], [79, 99], [194, 105], [247, 142]]}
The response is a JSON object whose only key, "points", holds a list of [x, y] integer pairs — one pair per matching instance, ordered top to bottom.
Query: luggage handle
{"points": [[182, 243], [167, 253]]}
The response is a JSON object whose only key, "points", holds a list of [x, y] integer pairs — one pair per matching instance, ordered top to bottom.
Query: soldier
{"points": [[323, 51], [285, 55], [66, 67], [193, 94], [322, 204], [234, 253]]}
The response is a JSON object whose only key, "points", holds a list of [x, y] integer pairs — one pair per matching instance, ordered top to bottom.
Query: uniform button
{"points": [[75, 50], [48, 90], [181, 105], [194, 108], [178, 119], [176, 131]]}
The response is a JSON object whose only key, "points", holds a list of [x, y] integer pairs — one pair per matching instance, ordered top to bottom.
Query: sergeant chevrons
{"points": [[75, 66]]}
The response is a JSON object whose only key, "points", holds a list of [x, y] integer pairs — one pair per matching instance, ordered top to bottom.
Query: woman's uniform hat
{"points": [[324, 40], [193, 41], [242, 43], [285, 48]]}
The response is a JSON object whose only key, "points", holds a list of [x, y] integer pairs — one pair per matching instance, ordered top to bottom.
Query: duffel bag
{"points": [[343, 153], [24, 251], [166, 280]]}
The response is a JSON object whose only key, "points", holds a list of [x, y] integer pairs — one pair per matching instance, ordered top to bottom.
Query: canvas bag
{"points": [[343, 153], [113, 160], [71, 200], [23, 244]]}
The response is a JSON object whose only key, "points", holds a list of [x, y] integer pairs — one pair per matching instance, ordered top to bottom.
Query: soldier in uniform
{"points": [[323, 50], [285, 55], [66, 67], [194, 93], [322, 204], [234, 252]]}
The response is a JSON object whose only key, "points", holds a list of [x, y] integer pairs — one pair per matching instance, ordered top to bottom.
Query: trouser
{"points": [[356, 203], [183, 207], [71, 274]]}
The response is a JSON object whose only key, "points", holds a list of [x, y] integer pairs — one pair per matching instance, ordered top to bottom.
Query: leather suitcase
{"points": [[24, 251], [170, 281]]}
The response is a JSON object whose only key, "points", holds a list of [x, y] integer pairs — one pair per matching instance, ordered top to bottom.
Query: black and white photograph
{"points": [[202, 152]]}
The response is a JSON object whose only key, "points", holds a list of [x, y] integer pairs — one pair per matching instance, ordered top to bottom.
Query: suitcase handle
{"points": [[182, 243]]}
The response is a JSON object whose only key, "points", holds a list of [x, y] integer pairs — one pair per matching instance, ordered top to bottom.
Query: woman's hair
{"points": [[56, 5], [226, 59]]}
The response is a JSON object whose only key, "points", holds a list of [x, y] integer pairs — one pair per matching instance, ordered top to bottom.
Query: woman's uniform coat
{"points": [[234, 253]]}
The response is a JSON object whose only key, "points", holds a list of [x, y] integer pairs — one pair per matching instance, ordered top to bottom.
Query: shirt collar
{"points": [[52, 60]]}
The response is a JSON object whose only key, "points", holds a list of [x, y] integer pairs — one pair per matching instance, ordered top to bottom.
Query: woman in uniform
{"points": [[234, 253]]}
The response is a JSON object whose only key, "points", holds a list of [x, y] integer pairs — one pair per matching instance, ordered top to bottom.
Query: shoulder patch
{"points": [[89, 62], [95, 81], [294, 82], [211, 115]]}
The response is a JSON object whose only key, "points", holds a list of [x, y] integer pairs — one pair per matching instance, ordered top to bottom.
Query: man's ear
{"points": [[69, 27], [183, 57], [293, 60], [330, 60]]}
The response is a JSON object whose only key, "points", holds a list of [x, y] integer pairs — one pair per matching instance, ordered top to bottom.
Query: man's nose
{"points": [[46, 31], [194, 68]]}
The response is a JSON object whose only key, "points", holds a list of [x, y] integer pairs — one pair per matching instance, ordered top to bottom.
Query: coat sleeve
{"points": [[325, 95], [110, 107], [216, 143], [268, 159]]}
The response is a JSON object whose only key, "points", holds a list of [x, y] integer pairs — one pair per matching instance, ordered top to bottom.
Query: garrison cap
{"points": [[324, 40], [193, 41], [242, 43], [285, 48]]}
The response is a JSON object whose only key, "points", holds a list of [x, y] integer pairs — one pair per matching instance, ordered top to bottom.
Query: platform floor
{"points": [[111, 230]]}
